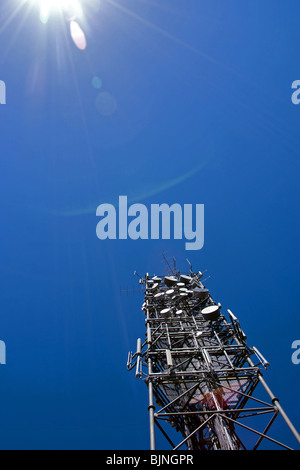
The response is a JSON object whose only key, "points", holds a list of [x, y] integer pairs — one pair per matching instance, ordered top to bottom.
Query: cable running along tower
{"points": [[201, 375]]}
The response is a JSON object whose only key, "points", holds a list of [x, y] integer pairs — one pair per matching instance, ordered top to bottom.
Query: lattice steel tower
{"points": [[200, 370]]}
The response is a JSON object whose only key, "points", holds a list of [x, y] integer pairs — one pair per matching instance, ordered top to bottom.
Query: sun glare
{"points": [[48, 7], [69, 10]]}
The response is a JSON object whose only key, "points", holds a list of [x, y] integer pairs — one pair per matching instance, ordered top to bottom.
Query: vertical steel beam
{"points": [[151, 407]]}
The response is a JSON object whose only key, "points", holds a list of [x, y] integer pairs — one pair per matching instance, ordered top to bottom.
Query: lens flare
{"points": [[77, 35]]}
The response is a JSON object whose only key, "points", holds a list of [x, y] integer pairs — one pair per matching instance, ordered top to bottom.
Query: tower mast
{"points": [[202, 376]]}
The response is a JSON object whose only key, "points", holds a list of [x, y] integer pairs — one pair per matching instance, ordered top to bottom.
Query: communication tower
{"points": [[202, 376]]}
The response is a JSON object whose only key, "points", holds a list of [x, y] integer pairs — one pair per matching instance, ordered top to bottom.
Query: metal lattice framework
{"points": [[199, 369]]}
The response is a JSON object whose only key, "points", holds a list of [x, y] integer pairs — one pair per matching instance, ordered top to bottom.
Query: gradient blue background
{"points": [[204, 115]]}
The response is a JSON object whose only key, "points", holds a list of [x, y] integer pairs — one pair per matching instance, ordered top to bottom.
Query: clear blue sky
{"points": [[198, 110]]}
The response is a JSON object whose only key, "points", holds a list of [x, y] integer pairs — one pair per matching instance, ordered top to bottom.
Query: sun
{"points": [[72, 8], [69, 10]]}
